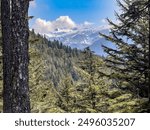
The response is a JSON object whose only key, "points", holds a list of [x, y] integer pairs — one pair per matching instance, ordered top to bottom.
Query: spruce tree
{"points": [[130, 59], [94, 87], [66, 95]]}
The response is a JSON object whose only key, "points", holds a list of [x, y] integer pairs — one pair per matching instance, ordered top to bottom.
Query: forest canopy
{"points": [[65, 79]]}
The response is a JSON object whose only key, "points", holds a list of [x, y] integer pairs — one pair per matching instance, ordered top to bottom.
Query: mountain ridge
{"points": [[81, 38]]}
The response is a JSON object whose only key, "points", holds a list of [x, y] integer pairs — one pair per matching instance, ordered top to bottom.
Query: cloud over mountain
{"points": [[63, 22], [65, 30]]}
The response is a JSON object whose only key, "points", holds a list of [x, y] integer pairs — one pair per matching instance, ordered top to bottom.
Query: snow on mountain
{"points": [[81, 38]]}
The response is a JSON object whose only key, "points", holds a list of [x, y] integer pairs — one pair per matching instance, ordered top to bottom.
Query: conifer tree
{"points": [[130, 59], [94, 89], [65, 95]]}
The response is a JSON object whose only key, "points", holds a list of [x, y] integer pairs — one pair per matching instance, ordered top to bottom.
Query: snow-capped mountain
{"points": [[81, 38]]}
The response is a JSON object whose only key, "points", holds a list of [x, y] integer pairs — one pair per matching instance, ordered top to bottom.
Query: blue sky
{"points": [[79, 11]]}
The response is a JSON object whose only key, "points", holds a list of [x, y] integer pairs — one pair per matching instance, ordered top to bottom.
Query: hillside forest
{"points": [[67, 80]]}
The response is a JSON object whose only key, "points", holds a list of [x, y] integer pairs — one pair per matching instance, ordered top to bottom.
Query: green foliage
{"points": [[56, 56], [129, 61], [49, 63], [62, 79], [89, 91], [94, 93], [87, 95], [66, 96]]}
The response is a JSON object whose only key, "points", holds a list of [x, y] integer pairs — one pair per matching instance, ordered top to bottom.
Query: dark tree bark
{"points": [[5, 21], [149, 50], [15, 55]]}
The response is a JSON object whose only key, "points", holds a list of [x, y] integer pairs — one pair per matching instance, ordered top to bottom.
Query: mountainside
{"points": [[81, 38], [50, 64], [62, 80]]}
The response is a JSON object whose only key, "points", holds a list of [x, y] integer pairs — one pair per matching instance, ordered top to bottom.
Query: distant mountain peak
{"points": [[80, 37]]}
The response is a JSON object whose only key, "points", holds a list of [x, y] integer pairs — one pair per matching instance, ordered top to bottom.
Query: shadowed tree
{"points": [[15, 32], [130, 59]]}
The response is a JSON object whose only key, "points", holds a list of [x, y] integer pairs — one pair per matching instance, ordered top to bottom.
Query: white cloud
{"points": [[33, 4], [62, 23], [42, 26]]}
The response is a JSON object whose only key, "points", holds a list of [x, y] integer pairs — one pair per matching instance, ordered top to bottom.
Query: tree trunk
{"points": [[7, 48], [149, 51], [15, 56]]}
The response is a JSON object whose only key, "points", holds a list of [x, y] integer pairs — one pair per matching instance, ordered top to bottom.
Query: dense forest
{"points": [[62, 79]]}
